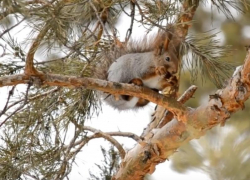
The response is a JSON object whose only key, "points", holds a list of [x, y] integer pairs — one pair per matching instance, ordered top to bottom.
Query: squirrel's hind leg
{"points": [[135, 81], [142, 102]]}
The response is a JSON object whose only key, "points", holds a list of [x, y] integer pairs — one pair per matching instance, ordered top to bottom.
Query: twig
{"points": [[132, 15], [98, 17], [149, 20], [9, 29], [52, 60], [11, 92], [34, 97], [20, 107], [98, 134], [123, 134], [107, 137], [112, 141]]}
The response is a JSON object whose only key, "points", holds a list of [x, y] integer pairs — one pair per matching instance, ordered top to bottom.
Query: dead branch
{"points": [[187, 94], [97, 134], [125, 134]]}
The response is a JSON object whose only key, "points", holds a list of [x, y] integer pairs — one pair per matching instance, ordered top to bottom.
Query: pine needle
{"points": [[204, 59]]}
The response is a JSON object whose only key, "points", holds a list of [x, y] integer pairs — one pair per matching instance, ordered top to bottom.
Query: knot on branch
{"points": [[34, 80], [220, 113], [147, 156]]}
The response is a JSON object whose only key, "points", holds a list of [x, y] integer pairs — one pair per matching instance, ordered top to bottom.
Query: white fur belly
{"points": [[153, 83], [128, 104]]}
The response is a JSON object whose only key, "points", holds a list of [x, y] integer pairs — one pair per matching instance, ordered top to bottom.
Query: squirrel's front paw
{"points": [[161, 70], [137, 82]]}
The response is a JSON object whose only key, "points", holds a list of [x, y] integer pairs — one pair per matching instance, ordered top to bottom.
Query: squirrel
{"points": [[148, 63]]}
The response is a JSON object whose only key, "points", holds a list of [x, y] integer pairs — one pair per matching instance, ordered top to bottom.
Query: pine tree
{"points": [[57, 62]]}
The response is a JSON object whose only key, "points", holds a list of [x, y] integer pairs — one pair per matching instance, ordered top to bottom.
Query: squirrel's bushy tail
{"points": [[105, 58], [100, 71]]}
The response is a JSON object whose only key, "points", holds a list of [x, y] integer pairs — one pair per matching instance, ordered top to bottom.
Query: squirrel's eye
{"points": [[167, 59]]}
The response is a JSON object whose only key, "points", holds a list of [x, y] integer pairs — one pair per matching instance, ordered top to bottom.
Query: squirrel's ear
{"points": [[167, 39], [162, 42], [166, 43], [159, 49]]}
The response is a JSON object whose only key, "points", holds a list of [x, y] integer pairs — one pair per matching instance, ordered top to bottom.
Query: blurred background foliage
{"points": [[37, 140], [223, 153]]}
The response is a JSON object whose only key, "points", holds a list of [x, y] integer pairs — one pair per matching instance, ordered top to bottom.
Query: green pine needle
{"points": [[205, 58]]}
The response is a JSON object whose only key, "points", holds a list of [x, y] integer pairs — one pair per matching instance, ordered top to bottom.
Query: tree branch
{"points": [[29, 66], [110, 87], [122, 134], [107, 137]]}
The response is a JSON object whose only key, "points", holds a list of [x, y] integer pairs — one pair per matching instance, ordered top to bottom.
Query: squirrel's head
{"points": [[163, 54]]}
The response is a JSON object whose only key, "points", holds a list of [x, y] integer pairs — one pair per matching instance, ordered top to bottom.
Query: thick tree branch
{"points": [[110, 87], [163, 142]]}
